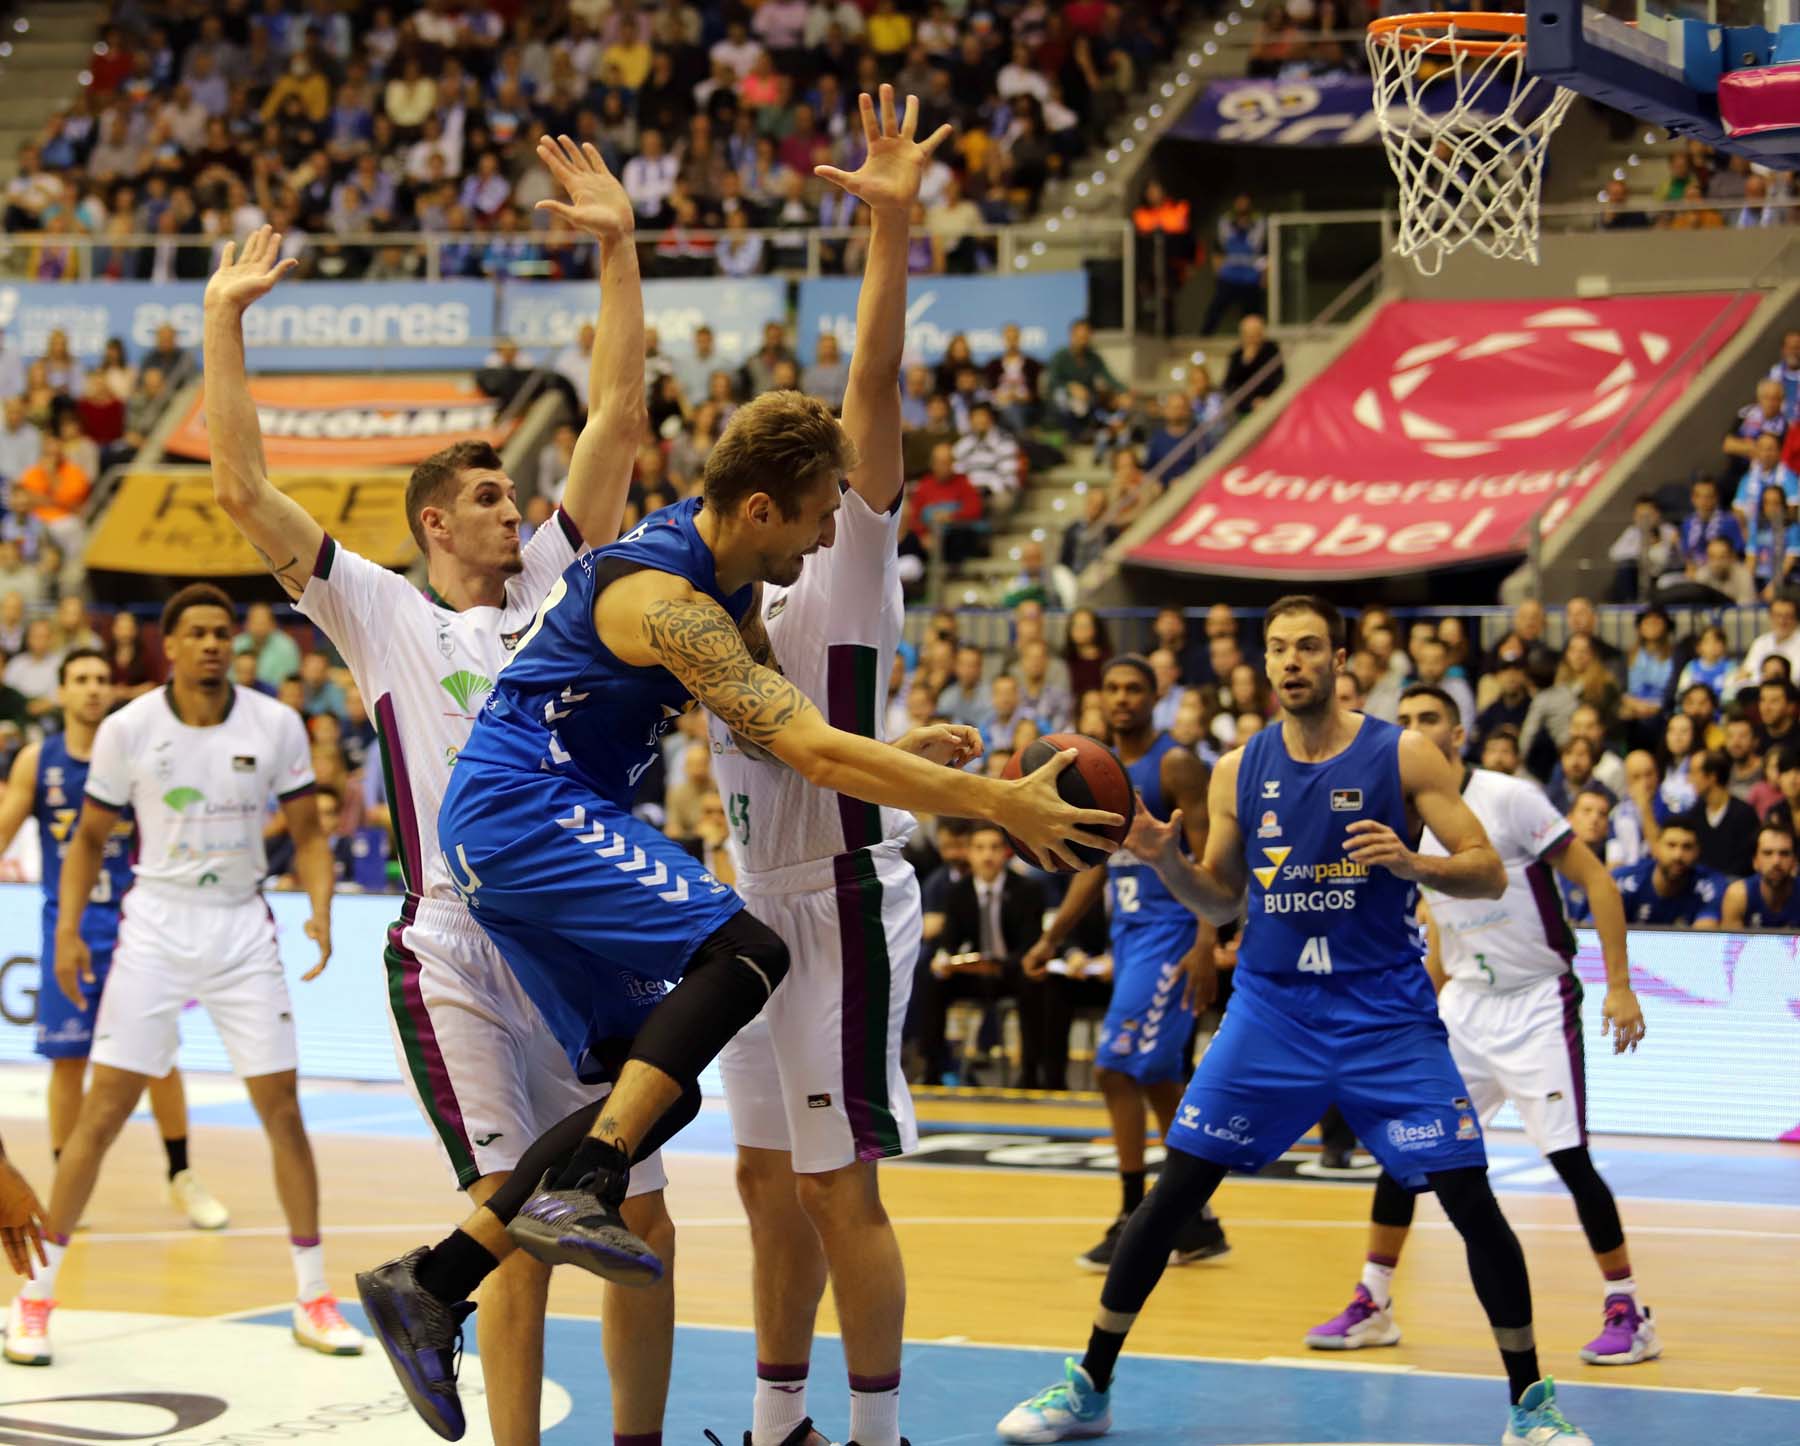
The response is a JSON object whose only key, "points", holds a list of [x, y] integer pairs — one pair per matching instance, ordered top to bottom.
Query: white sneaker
{"points": [[188, 1195], [319, 1326], [28, 1331]]}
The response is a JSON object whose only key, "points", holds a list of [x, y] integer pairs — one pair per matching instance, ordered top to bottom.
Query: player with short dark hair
{"points": [[1670, 886], [1767, 899], [1162, 958], [1509, 996], [1330, 1004]]}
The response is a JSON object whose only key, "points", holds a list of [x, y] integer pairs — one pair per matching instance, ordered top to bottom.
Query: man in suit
{"points": [[997, 914]]}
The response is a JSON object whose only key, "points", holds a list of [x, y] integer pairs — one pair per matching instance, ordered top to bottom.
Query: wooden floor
{"points": [[990, 1257]]}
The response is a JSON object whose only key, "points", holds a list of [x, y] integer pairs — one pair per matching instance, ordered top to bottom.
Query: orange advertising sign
{"points": [[338, 421]]}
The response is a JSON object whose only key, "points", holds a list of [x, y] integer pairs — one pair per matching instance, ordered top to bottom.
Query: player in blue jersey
{"points": [[46, 783], [1312, 830], [1670, 887], [1768, 898], [641, 963], [1162, 965]]}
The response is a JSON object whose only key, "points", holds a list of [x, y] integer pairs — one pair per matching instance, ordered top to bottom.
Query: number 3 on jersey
{"points": [[740, 818], [1315, 958]]}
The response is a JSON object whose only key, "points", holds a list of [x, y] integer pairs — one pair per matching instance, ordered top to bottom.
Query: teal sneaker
{"points": [[1071, 1410], [1535, 1421]]}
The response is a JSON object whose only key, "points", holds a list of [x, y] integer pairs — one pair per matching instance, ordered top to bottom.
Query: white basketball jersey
{"points": [[834, 634], [424, 670], [201, 793], [1524, 935]]}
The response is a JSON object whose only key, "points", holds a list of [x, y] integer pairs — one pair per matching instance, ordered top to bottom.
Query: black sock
{"points": [[177, 1153], [592, 1155], [1133, 1181], [455, 1266], [1102, 1355], [1521, 1372]]}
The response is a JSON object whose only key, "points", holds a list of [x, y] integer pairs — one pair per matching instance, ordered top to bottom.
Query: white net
{"points": [[1466, 127]]}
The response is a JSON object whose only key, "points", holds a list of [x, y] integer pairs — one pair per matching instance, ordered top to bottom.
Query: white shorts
{"points": [[171, 951], [1523, 1045], [474, 1050], [817, 1073]]}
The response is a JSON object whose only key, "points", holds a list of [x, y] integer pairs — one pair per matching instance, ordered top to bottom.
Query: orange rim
{"points": [[1436, 30]]}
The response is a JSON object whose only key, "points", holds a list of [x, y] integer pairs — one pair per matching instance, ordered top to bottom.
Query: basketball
{"points": [[1096, 779]]}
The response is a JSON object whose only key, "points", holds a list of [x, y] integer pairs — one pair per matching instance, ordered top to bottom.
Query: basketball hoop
{"points": [[1466, 127]]}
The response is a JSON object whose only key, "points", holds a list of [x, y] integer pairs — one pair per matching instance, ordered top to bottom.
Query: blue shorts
{"points": [[596, 913], [1147, 1024], [63, 1031], [1291, 1045]]}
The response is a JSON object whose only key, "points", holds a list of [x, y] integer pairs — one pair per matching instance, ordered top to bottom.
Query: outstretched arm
{"points": [[887, 183], [600, 469], [284, 535], [1434, 789], [1214, 888]]}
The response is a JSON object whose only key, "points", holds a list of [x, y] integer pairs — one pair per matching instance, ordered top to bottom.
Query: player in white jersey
{"points": [[196, 762], [1510, 999], [485, 1071], [814, 1084]]}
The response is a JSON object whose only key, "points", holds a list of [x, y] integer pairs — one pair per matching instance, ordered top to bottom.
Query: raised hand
{"points": [[888, 179], [597, 203], [247, 277]]}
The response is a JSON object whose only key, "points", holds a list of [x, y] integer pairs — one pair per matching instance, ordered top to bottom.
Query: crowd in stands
{"points": [[333, 121], [1712, 190]]}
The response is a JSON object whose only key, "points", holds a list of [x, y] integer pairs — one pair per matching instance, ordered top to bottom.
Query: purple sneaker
{"points": [[1361, 1323], [422, 1337], [1627, 1337]]}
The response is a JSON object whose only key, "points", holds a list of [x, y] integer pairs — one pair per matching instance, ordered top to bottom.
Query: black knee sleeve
{"points": [[726, 985], [1182, 1189], [1594, 1203], [1393, 1204], [1496, 1263]]}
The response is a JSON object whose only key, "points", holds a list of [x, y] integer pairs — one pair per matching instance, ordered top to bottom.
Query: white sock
{"points": [[309, 1269], [1378, 1280], [42, 1286], [1627, 1286], [780, 1404], [875, 1414]]}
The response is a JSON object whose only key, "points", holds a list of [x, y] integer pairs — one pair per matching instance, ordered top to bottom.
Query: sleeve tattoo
{"points": [[290, 574], [696, 640]]}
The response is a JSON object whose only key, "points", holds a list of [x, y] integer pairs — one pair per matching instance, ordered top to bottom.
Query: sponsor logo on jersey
{"points": [[776, 608], [466, 687], [243, 762], [1272, 788], [180, 800], [1346, 800], [1271, 826], [1276, 858], [818, 1102], [1190, 1116], [1465, 1128], [1237, 1132], [1403, 1136]]}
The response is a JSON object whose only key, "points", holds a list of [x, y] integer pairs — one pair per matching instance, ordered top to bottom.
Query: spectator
{"points": [[649, 177], [1616, 213], [955, 227], [1241, 267], [166, 357], [12, 370], [1787, 370], [1255, 371], [758, 373], [828, 374], [1012, 380], [1079, 380], [1768, 413], [1172, 438], [20, 442], [988, 456], [1765, 470], [52, 491], [944, 494], [1707, 521], [1085, 540], [1773, 540], [1644, 551], [1721, 580], [1581, 616], [72, 629], [1782, 638], [1086, 647], [277, 655], [1431, 659], [1710, 664], [136, 668], [33, 673], [1652, 674], [1580, 678], [1169, 691], [322, 694], [1042, 695], [967, 699], [1511, 702], [1777, 703], [1701, 705], [1005, 713], [1744, 748], [1500, 750], [1785, 761], [1609, 769], [1574, 774], [1724, 824], [1672, 887], [1767, 899]]}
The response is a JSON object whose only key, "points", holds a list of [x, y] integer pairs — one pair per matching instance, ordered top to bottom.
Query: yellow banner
{"points": [[166, 523]]}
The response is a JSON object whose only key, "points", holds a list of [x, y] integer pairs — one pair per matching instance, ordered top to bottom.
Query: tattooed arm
{"points": [[284, 536], [658, 619]]}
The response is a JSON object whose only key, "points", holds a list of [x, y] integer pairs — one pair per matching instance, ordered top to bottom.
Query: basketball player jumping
{"points": [[196, 762], [46, 783], [640, 961], [1162, 965], [1509, 997], [1330, 1005], [487, 1075], [814, 1083]]}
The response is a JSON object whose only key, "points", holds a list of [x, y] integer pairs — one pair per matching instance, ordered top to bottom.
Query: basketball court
{"points": [[991, 1215]]}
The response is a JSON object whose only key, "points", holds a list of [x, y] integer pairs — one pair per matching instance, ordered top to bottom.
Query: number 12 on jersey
{"points": [[1315, 958]]}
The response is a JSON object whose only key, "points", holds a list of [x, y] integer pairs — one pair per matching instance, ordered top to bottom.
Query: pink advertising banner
{"points": [[1437, 436]]}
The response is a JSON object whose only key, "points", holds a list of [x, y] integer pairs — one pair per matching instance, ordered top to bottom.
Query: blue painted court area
{"points": [[1754, 1177], [955, 1393]]}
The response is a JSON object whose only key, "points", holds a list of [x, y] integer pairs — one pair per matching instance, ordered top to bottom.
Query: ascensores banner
{"points": [[1441, 432]]}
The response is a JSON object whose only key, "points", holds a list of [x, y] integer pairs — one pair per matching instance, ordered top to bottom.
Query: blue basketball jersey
{"points": [[565, 703], [56, 804], [1703, 898], [1139, 899], [1312, 910], [1759, 913]]}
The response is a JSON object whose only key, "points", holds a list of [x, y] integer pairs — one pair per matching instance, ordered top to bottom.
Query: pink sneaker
{"points": [[1361, 1323], [1627, 1337]]}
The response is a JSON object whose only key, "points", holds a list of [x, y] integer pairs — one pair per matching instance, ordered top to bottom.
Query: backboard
{"points": [[1662, 63]]}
